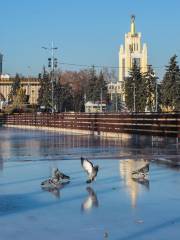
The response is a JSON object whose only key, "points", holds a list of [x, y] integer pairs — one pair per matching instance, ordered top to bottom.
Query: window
{"points": [[136, 61]]}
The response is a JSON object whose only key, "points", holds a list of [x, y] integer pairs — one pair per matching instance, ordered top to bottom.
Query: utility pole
{"points": [[52, 63]]}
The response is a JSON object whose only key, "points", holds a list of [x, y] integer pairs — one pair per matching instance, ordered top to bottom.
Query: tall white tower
{"points": [[132, 51]]}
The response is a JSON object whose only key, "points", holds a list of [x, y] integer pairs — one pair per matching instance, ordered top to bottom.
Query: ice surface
{"points": [[112, 207]]}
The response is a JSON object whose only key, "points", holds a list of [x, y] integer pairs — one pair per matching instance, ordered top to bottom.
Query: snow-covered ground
{"points": [[112, 207]]}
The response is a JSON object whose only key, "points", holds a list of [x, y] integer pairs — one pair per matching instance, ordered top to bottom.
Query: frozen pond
{"points": [[112, 207]]}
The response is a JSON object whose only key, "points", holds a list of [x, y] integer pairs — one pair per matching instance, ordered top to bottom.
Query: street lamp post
{"points": [[52, 64]]}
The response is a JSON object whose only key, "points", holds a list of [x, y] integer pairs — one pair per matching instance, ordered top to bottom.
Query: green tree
{"points": [[150, 81], [96, 87], [170, 87], [101, 90], [135, 90], [45, 93], [91, 93], [129, 93], [57, 95], [63, 97], [159, 98], [116, 103]]}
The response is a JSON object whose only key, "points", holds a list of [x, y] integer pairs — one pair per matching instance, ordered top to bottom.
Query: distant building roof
{"points": [[4, 76]]}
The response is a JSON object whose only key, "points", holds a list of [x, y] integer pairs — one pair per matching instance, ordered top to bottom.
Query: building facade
{"points": [[31, 86], [115, 88], [91, 107]]}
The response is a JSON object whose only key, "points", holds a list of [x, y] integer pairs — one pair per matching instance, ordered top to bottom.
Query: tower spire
{"points": [[133, 27]]}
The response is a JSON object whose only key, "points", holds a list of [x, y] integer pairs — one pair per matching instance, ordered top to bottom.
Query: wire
{"points": [[89, 66], [101, 66]]}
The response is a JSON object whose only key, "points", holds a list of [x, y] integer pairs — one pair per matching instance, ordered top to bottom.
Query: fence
{"points": [[157, 124]]}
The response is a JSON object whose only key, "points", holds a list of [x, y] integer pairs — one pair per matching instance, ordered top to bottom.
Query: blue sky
{"points": [[86, 32]]}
